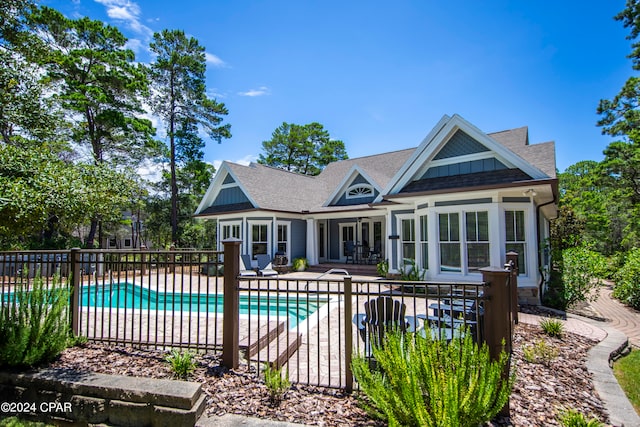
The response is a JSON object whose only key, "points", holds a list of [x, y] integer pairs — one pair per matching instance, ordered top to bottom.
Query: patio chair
{"points": [[350, 252], [265, 268], [246, 269], [383, 314]]}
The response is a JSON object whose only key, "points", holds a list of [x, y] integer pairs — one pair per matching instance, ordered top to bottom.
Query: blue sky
{"points": [[379, 75]]}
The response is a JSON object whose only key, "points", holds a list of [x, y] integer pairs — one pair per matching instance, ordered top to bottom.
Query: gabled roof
{"points": [[392, 173]]}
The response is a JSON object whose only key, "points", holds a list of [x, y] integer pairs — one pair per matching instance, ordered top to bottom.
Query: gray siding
{"points": [[460, 144], [475, 166], [230, 196], [298, 238]]}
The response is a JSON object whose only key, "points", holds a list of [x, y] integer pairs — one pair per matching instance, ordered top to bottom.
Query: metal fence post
{"points": [[172, 258], [512, 259], [143, 261], [76, 266], [497, 317], [231, 319], [348, 337]]}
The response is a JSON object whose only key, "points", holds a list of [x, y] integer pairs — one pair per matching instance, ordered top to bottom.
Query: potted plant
{"points": [[300, 264]]}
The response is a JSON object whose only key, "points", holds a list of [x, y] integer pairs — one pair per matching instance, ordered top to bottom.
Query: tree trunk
{"points": [[174, 186], [92, 234]]}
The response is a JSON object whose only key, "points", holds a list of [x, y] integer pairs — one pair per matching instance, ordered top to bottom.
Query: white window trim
{"points": [[359, 190], [222, 224], [269, 224], [341, 227], [529, 231], [434, 241], [288, 252], [399, 258]]}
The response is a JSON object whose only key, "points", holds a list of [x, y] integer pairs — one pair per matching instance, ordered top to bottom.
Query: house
{"points": [[456, 203]]}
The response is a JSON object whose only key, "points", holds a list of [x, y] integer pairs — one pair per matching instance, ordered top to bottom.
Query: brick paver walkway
{"points": [[619, 316]]}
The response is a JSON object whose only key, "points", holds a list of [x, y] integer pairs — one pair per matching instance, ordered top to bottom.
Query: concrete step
{"points": [[280, 350], [111, 399]]}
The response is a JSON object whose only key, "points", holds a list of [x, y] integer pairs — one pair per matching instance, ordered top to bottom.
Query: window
{"points": [[359, 190], [477, 225], [230, 230], [449, 233], [515, 236], [408, 237], [283, 238], [259, 239], [424, 242]]}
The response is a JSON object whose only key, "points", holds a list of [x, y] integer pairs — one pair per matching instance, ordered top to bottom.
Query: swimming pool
{"points": [[132, 296]]}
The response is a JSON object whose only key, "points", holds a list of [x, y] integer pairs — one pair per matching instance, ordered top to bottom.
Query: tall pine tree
{"points": [[179, 98]]}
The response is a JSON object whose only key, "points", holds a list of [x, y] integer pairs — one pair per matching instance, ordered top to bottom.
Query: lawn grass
{"points": [[627, 371]]}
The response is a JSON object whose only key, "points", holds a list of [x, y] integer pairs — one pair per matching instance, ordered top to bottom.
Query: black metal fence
{"points": [[152, 298], [311, 325]]}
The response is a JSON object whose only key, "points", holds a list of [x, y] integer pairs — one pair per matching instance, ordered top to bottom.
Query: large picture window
{"points": [[477, 227], [449, 233], [516, 237]]}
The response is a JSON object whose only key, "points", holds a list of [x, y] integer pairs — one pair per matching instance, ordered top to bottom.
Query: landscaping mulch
{"points": [[539, 390]]}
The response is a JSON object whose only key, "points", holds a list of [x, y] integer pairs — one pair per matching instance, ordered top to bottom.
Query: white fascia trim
{"points": [[434, 142], [409, 165], [216, 181], [346, 182], [217, 185]]}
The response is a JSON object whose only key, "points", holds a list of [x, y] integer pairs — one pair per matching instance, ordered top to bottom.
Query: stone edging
{"points": [[600, 357], [86, 397]]}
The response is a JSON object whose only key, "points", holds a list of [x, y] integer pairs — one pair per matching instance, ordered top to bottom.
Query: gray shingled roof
{"points": [[542, 156], [279, 190]]}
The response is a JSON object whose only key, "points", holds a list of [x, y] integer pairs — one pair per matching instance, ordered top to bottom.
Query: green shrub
{"points": [[300, 264], [382, 268], [582, 270], [413, 273], [627, 279], [34, 323], [552, 327], [539, 352], [182, 363], [419, 381], [276, 383], [572, 418]]}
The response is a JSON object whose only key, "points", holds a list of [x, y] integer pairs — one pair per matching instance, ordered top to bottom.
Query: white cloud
{"points": [[128, 12], [135, 45], [214, 60], [262, 90]]}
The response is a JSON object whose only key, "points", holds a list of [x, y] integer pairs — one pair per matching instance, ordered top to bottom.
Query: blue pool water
{"points": [[127, 295]]}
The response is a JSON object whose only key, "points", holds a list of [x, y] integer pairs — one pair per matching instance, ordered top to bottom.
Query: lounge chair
{"points": [[265, 268], [246, 269]]}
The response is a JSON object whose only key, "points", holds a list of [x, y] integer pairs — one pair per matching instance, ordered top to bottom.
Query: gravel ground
{"points": [[538, 392]]}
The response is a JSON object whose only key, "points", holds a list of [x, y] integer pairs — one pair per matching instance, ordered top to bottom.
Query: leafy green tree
{"points": [[100, 88], [179, 98], [26, 108], [620, 117], [304, 149], [43, 199]]}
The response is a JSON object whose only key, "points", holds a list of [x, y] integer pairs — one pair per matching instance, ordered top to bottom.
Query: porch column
{"points": [[312, 242]]}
